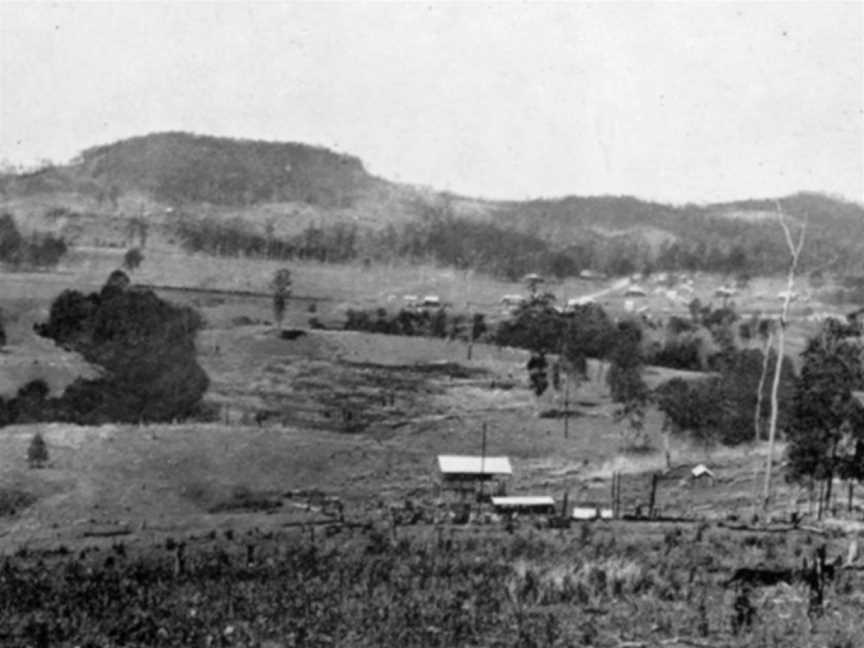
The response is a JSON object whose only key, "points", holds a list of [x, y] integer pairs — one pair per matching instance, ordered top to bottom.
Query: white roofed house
{"points": [[635, 291], [580, 301], [466, 473]]}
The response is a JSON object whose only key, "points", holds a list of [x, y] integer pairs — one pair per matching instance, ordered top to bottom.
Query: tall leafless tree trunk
{"points": [[795, 252], [757, 418]]}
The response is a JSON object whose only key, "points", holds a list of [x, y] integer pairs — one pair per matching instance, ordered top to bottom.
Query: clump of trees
{"points": [[334, 243], [38, 250], [439, 323], [536, 325], [144, 346], [721, 407], [825, 428]]}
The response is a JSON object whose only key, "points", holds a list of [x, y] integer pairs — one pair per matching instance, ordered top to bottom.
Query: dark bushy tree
{"points": [[11, 240], [38, 250], [133, 259], [281, 285], [535, 325], [589, 333], [145, 347], [537, 366], [626, 385], [826, 427], [37, 452]]}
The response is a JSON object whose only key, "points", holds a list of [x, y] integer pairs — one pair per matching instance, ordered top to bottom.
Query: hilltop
{"points": [[281, 190]]}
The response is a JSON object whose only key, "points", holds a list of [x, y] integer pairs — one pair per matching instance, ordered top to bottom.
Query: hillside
{"points": [[284, 189]]}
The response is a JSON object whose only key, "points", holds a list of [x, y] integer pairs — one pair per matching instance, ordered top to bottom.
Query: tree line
{"points": [[438, 236], [39, 249]]}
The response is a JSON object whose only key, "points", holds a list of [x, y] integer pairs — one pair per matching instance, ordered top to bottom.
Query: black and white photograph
{"points": [[431, 324]]}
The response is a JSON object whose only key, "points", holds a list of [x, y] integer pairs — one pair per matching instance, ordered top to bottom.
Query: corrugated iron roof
{"points": [[474, 465], [700, 470], [523, 500], [585, 512], [591, 513]]}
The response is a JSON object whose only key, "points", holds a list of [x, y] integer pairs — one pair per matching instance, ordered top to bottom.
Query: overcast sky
{"points": [[681, 102]]}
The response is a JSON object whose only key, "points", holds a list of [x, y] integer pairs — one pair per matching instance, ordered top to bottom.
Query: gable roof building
{"points": [[467, 466]]}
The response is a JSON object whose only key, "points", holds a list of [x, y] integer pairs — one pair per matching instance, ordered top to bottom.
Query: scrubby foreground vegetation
{"points": [[594, 586]]}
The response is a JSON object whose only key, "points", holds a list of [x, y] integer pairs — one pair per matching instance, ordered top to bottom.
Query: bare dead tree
{"points": [[795, 253], [766, 351]]}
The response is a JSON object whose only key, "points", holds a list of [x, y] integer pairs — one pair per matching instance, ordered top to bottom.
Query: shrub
{"points": [[133, 258], [37, 452], [13, 500]]}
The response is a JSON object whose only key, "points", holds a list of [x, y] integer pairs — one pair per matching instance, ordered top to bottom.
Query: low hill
{"points": [[181, 168], [278, 189]]}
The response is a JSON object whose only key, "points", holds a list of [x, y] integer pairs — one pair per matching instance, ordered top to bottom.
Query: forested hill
{"points": [[181, 168], [332, 196]]}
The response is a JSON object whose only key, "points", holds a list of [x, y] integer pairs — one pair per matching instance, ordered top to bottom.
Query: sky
{"points": [[692, 102]]}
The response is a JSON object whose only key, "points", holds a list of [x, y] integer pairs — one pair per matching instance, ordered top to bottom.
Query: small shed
{"points": [[431, 301], [702, 472], [541, 504], [591, 513]]}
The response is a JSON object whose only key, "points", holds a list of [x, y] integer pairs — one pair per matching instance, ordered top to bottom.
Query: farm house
{"points": [[464, 474]]}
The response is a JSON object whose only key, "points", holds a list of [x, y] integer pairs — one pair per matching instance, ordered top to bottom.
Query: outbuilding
{"points": [[540, 505], [591, 513]]}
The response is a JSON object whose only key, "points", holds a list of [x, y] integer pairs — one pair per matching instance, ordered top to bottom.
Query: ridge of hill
{"points": [[288, 186]]}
